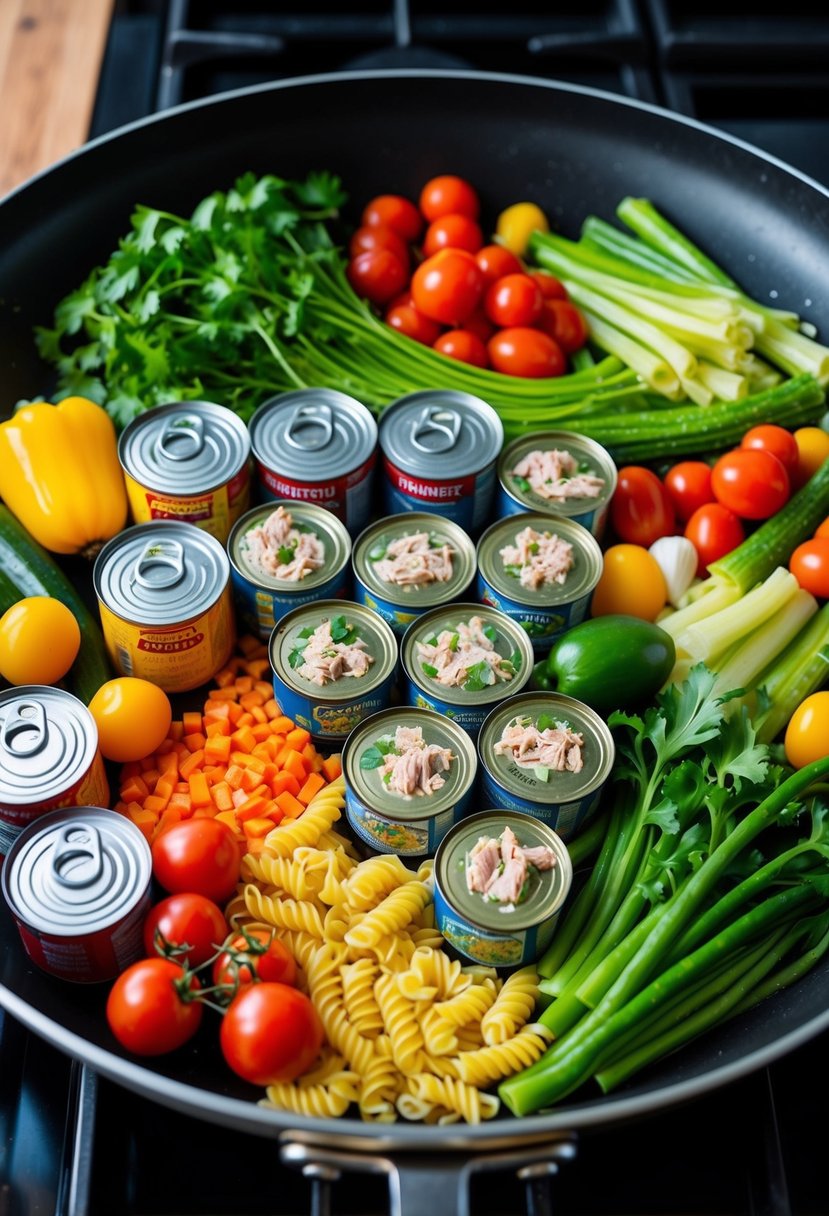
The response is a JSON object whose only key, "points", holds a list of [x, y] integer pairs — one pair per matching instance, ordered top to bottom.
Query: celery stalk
{"points": [[643, 218], [653, 370], [714, 598], [707, 639], [751, 655], [801, 669]]}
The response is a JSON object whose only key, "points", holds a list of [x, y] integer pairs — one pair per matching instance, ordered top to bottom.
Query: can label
{"points": [[348, 496], [464, 500], [216, 511], [259, 608], [391, 613], [543, 627], [469, 717], [333, 721], [564, 818], [414, 838], [517, 948], [94, 958]]}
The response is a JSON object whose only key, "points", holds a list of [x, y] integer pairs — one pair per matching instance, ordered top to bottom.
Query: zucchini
{"points": [[32, 571], [9, 593]]}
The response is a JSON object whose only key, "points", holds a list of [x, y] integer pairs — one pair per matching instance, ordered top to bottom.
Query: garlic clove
{"points": [[677, 558]]}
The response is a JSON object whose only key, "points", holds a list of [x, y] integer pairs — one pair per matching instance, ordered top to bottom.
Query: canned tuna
{"points": [[557, 473]]}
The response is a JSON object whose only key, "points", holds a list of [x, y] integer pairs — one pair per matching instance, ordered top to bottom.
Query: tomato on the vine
{"points": [[447, 194], [394, 211], [452, 232], [378, 236], [495, 261], [377, 275], [447, 287], [514, 299], [406, 319], [562, 320], [463, 345], [521, 351], [775, 439], [750, 482], [689, 485], [641, 509], [713, 530], [810, 565], [807, 734], [199, 855], [186, 919], [275, 964], [153, 1007], [270, 1033]]}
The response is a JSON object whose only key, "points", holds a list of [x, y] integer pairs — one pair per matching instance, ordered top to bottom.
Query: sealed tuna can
{"points": [[319, 446], [440, 449], [188, 461], [557, 473], [284, 554], [406, 564], [541, 570], [165, 603], [462, 659], [334, 663], [547, 755], [49, 756], [409, 775], [77, 883], [494, 931]]}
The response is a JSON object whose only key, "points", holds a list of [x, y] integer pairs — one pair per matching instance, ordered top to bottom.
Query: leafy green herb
{"points": [[522, 483], [377, 551], [285, 553], [490, 632], [429, 670], [479, 676], [373, 756]]}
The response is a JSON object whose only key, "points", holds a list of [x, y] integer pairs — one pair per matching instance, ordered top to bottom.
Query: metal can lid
{"points": [[313, 434], [441, 434], [186, 447], [591, 457], [306, 517], [372, 543], [161, 572], [581, 578], [353, 621], [511, 642], [546, 709], [48, 741], [361, 759], [76, 871], [547, 889]]}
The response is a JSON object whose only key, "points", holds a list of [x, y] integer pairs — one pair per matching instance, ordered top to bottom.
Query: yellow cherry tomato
{"points": [[517, 223], [813, 448], [823, 529], [631, 583], [39, 641], [133, 717], [807, 735]]}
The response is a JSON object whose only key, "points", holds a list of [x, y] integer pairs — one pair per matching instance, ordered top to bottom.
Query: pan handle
{"points": [[421, 1185]]}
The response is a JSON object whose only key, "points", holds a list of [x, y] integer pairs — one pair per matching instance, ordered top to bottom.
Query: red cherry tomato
{"points": [[448, 195], [394, 211], [452, 232], [378, 236], [496, 261], [377, 275], [447, 286], [551, 287], [513, 300], [407, 320], [564, 322], [480, 325], [464, 346], [520, 351], [777, 440], [750, 482], [689, 485], [641, 509], [823, 529], [714, 531], [810, 565], [198, 855], [186, 919], [274, 965], [148, 1009], [270, 1033]]}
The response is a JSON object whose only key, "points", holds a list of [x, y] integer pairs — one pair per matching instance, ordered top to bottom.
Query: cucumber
{"points": [[32, 571], [9, 593]]}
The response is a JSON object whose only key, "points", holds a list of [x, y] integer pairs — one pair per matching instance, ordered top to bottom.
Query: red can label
{"points": [[347, 497]]}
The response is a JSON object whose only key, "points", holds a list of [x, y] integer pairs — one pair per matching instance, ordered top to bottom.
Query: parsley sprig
{"points": [[341, 631]]}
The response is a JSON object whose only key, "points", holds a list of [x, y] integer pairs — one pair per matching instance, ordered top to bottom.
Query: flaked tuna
{"points": [[554, 475], [283, 551], [539, 558], [411, 561], [456, 652], [325, 661], [555, 747], [415, 767], [498, 868]]}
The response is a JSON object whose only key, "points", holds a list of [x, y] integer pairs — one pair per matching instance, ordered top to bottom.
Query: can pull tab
{"points": [[310, 427], [436, 429], [182, 438], [169, 553], [25, 730], [77, 859]]}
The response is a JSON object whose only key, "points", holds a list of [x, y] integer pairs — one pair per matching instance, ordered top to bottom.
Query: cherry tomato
{"points": [[448, 195], [394, 211], [516, 224], [452, 232], [378, 236], [495, 261], [377, 275], [447, 287], [551, 287], [513, 300], [406, 319], [564, 322], [480, 325], [463, 345], [520, 351], [777, 440], [813, 448], [750, 482], [689, 485], [641, 509], [823, 529], [713, 530], [810, 565], [631, 583], [39, 641], [133, 717], [807, 734], [199, 855], [190, 920], [274, 965], [148, 1009], [270, 1033]]}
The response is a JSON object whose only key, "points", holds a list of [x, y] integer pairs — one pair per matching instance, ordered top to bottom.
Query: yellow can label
{"points": [[215, 511]]}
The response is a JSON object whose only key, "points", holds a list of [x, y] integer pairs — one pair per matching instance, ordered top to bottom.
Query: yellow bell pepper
{"points": [[60, 474]]}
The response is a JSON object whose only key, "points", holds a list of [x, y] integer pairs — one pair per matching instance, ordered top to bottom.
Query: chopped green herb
{"points": [[522, 483], [377, 551], [490, 632], [429, 670]]}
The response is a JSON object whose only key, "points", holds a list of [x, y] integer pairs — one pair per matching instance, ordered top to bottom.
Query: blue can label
{"points": [[467, 501], [593, 519], [259, 608], [392, 614], [543, 626], [469, 717], [333, 720], [564, 818], [412, 838], [508, 949]]}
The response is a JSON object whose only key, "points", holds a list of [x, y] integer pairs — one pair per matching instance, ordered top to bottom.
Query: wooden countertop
{"points": [[50, 61]]}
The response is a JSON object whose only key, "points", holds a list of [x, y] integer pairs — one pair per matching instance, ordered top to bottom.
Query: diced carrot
{"points": [[224, 677], [243, 684], [264, 687], [223, 693], [251, 698], [272, 709], [216, 710], [234, 712], [258, 714], [191, 721], [282, 725], [216, 726], [176, 730], [263, 733], [298, 737], [244, 739], [195, 741], [164, 747], [217, 749], [309, 752], [246, 760], [194, 761], [169, 763], [295, 764], [332, 767], [234, 776], [252, 779], [286, 781], [313, 784], [134, 790], [199, 792], [222, 796], [240, 796], [182, 801], [290, 806], [253, 808], [276, 814], [229, 818], [143, 819], [257, 826], [255, 844]]}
